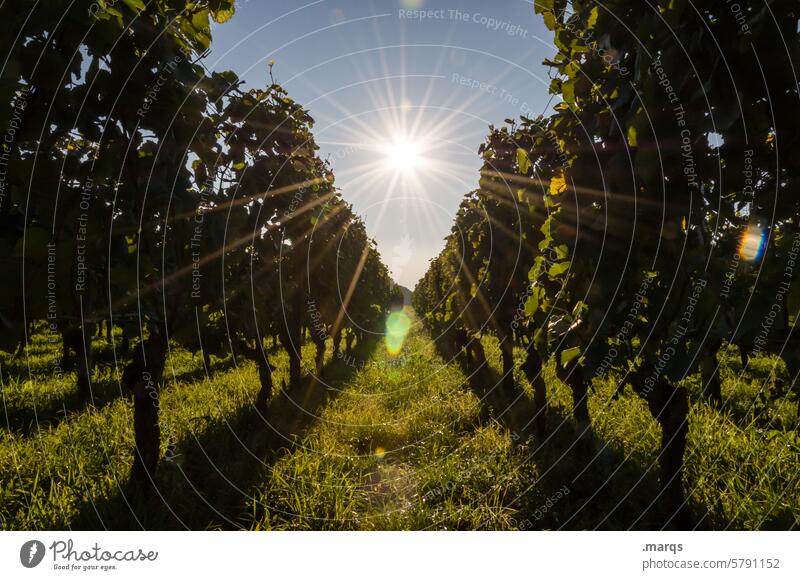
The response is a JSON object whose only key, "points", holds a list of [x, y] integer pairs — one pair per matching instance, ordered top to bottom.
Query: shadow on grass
{"points": [[199, 373], [52, 404], [22, 418], [207, 482], [594, 487]]}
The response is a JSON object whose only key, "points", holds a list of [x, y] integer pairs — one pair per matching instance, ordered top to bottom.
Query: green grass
{"points": [[393, 443], [404, 447], [65, 468]]}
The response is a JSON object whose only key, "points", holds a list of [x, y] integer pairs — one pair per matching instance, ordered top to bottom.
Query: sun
{"points": [[404, 154]]}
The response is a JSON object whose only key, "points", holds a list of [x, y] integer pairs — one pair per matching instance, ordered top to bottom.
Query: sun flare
{"points": [[404, 155]]}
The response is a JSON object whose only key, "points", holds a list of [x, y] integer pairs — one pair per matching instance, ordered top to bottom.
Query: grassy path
{"points": [[406, 445]]}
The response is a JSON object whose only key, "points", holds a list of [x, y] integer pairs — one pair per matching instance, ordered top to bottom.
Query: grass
{"points": [[393, 442], [404, 447], [68, 467]]}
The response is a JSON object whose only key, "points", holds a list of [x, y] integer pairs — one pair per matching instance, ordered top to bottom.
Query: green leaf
{"points": [[136, 5], [540, 6], [223, 15], [592, 20], [202, 29], [568, 91], [632, 140], [523, 161], [558, 184], [557, 270], [533, 302], [579, 309], [569, 355]]}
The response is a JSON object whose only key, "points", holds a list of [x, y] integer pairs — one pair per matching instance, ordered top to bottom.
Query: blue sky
{"points": [[401, 99]]}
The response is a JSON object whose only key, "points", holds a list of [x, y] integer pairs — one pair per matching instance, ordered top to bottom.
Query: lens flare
{"points": [[404, 155], [751, 246], [397, 326]]}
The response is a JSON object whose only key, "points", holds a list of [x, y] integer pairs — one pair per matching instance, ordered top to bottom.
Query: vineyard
{"points": [[198, 331]]}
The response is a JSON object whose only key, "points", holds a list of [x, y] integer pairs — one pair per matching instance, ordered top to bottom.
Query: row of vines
{"points": [[147, 194], [647, 225]]}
